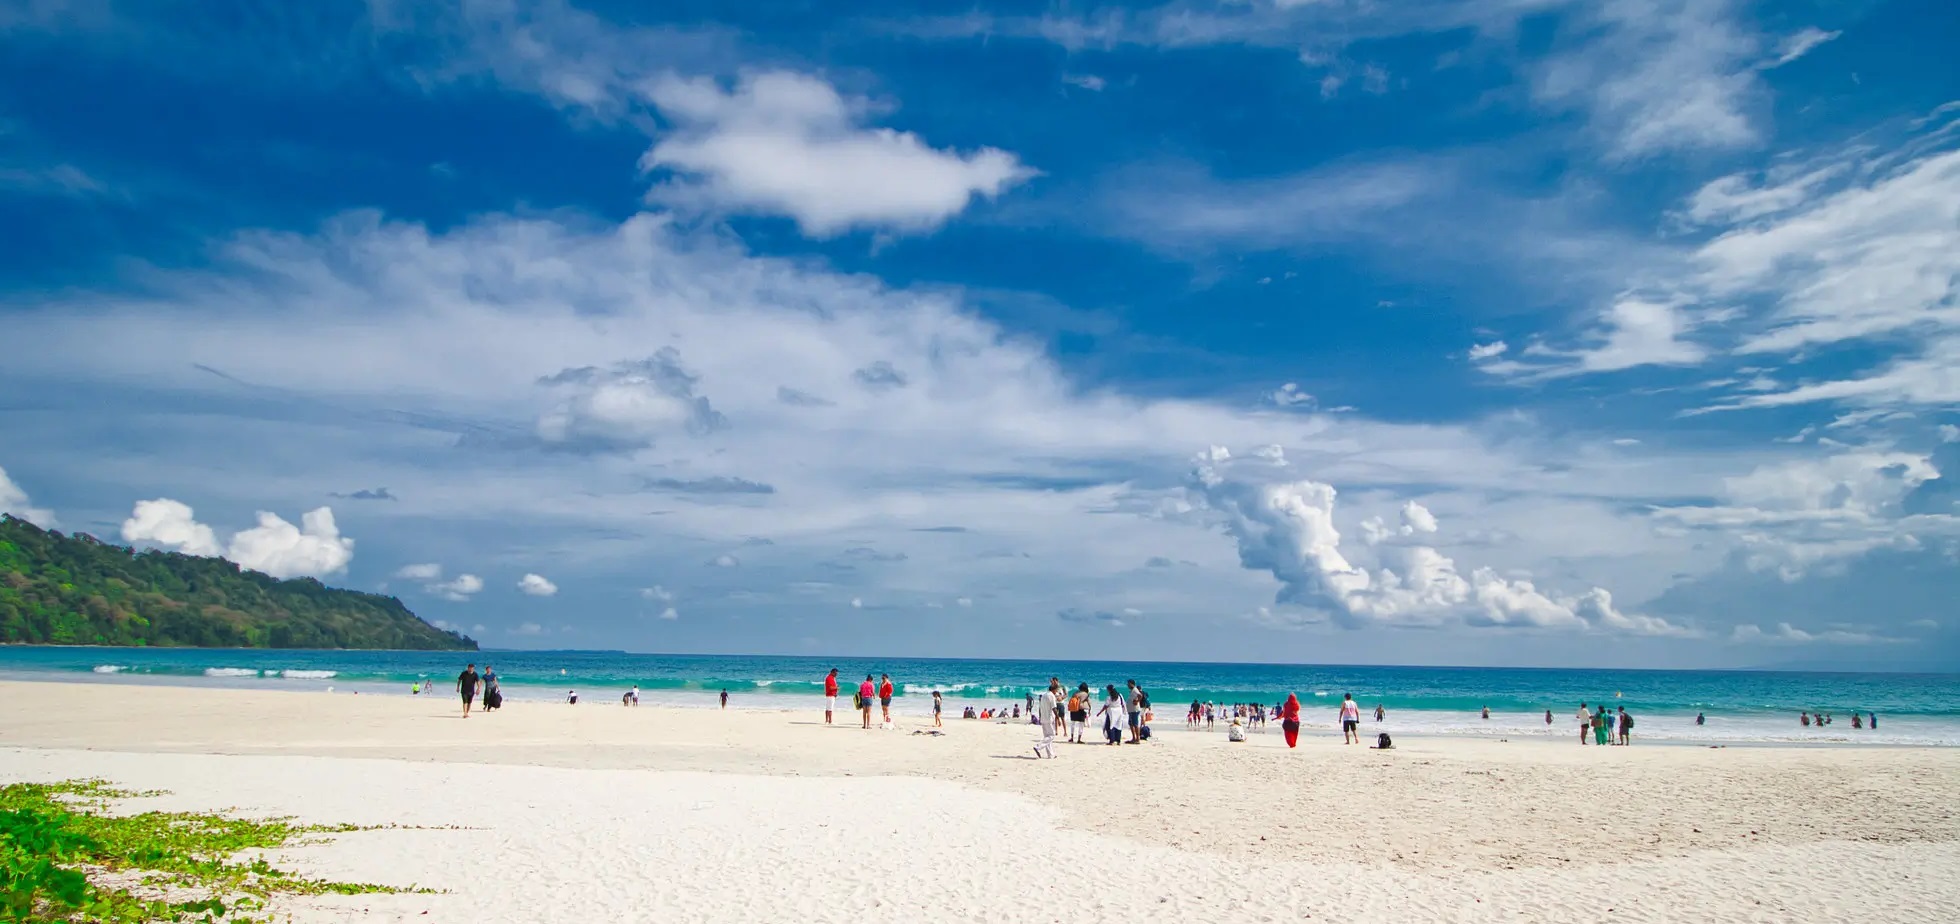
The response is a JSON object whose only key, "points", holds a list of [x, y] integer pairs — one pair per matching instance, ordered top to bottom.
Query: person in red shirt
{"points": [[866, 691], [829, 695], [885, 695], [1289, 719]]}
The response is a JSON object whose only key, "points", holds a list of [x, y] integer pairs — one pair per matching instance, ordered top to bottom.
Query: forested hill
{"points": [[75, 590]]}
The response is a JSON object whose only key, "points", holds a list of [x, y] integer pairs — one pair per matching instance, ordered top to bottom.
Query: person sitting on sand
{"points": [[1237, 730]]}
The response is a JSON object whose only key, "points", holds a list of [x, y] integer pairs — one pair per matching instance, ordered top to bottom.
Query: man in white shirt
{"points": [[1044, 710]]}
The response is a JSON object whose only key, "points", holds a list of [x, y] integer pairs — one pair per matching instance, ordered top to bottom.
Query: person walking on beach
{"points": [[466, 685], [866, 692], [493, 695], [829, 695], [885, 696], [724, 699], [935, 709], [1045, 710], [1548, 718], [1289, 719], [1350, 720], [1585, 722], [1626, 728]]}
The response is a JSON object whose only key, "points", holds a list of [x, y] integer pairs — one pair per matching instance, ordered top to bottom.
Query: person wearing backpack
{"points": [[1626, 727]]}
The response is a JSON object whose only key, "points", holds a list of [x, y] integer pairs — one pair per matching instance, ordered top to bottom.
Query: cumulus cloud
{"points": [[781, 143], [880, 376], [625, 406], [14, 501], [172, 525], [1284, 525], [276, 547], [315, 548], [726, 561], [420, 572], [536, 585], [458, 589], [657, 593], [670, 614], [528, 628]]}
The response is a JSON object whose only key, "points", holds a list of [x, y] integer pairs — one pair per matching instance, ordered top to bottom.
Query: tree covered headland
{"points": [[76, 590]]}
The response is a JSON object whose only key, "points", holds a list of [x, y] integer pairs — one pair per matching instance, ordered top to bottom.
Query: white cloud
{"points": [[1800, 44], [1658, 76], [1088, 82], [789, 144], [1484, 351], [1289, 395], [625, 406], [1949, 433], [13, 500], [172, 525], [1286, 527], [274, 546], [313, 549], [725, 560], [422, 572], [536, 585], [458, 589], [657, 593], [964, 602], [857, 603], [670, 614], [528, 628], [1789, 634]]}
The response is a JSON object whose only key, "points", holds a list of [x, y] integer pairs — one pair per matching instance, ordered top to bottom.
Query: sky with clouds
{"points": [[1601, 333]]}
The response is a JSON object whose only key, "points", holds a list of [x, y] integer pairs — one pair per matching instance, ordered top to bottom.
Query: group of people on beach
{"points": [[867, 692], [1605, 728]]}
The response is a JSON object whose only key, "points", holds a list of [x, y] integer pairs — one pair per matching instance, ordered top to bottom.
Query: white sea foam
{"points": [[110, 668], [230, 672], [308, 675]]}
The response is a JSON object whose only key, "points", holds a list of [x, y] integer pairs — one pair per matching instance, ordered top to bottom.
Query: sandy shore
{"points": [[599, 812]]}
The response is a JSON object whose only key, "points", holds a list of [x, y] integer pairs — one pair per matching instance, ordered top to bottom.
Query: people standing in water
{"points": [[466, 685], [867, 691], [829, 695], [724, 699], [1379, 713], [1486, 713], [1548, 718], [1701, 718], [1289, 719], [1350, 720], [1871, 720]]}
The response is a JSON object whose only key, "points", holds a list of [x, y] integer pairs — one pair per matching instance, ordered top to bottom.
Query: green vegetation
{"points": [[75, 590], [63, 859]]}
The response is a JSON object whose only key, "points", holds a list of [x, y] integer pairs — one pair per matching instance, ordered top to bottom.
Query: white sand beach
{"points": [[554, 813]]}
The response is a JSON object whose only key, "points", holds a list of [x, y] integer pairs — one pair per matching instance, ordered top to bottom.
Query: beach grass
{"points": [[67, 855]]}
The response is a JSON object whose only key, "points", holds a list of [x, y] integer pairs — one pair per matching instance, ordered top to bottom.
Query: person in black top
{"points": [[466, 685]]}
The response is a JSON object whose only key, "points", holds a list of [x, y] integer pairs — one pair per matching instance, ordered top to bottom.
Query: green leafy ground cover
{"points": [[64, 857]]}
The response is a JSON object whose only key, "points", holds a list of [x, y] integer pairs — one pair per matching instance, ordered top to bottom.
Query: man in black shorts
{"points": [[466, 685]]}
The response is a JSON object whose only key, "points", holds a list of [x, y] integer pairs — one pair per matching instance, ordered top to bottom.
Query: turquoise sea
{"points": [[1741, 706]]}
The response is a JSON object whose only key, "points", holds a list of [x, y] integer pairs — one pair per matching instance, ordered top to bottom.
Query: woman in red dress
{"points": [[1289, 719]]}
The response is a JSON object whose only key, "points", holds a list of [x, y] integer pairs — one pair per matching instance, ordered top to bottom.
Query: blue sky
{"points": [[1613, 333]]}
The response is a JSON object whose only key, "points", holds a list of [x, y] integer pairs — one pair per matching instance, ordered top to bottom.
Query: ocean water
{"points": [[1741, 706]]}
